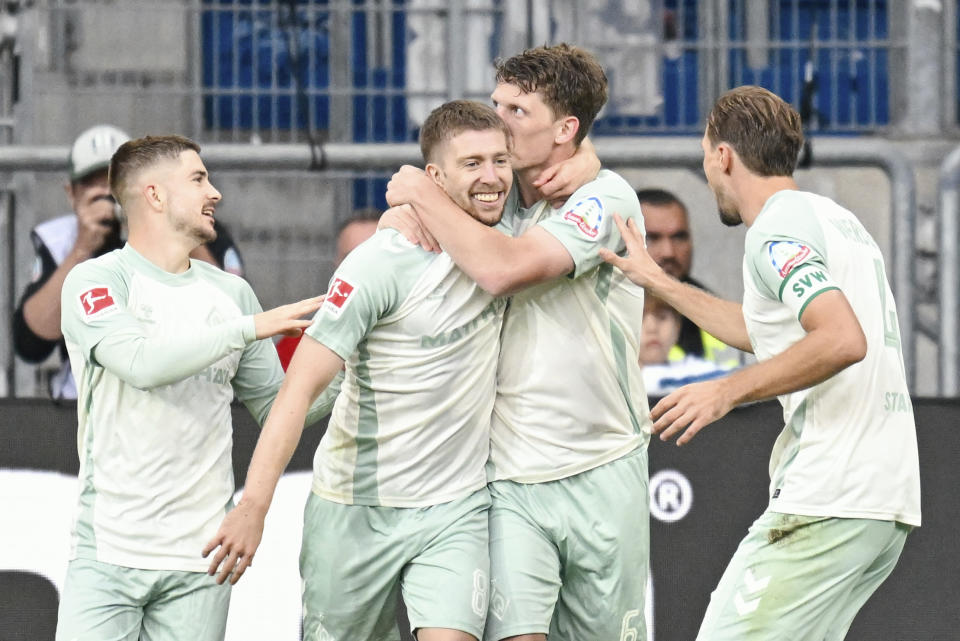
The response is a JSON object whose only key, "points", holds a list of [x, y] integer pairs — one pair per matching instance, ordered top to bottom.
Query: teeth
{"points": [[487, 198]]}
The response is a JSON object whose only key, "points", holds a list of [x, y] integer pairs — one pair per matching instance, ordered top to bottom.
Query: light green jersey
{"points": [[420, 340], [158, 358], [570, 393], [849, 447]]}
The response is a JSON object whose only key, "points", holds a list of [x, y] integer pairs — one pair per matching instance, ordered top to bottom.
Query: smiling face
{"points": [[533, 125], [473, 167], [191, 199]]}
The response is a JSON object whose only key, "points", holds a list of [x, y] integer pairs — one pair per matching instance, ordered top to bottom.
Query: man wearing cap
{"points": [[91, 230]]}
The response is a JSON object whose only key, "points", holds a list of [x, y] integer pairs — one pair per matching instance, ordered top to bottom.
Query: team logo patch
{"points": [[587, 215], [785, 255], [338, 297], [95, 301]]}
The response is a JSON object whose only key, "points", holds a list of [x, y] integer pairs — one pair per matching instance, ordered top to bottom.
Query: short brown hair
{"points": [[570, 80], [454, 117], [765, 131], [135, 155]]}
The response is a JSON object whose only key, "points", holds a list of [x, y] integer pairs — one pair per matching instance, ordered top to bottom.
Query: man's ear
{"points": [[567, 129], [725, 157], [435, 173], [153, 195]]}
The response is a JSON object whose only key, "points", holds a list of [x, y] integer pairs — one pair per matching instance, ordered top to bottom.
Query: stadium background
{"points": [[304, 107]]}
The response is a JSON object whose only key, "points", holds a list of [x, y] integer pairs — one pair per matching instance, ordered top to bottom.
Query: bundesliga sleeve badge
{"points": [[587, 215], [786, 255], [338, 297], [96, 302]]}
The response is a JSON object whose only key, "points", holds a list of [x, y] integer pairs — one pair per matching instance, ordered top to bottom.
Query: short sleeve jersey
{"points": [[570, 393], [411, 425], [849, 445], [156, 475]]}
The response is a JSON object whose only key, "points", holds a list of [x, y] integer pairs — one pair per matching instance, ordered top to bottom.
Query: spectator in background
{"points": [[92, 229], [356, 229], [351, 232], [670, 244], [660, 332]]}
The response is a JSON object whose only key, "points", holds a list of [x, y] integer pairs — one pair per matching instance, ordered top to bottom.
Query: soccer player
{"points": [[819, 314], [159, 346], [399, 499], [569, 523]]}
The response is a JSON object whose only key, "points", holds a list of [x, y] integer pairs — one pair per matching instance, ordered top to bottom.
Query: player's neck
{"points": [[525, 177], [755, 191], [171, 254]]}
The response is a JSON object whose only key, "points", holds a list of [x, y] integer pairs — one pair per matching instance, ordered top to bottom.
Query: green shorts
{"points": [[569, 558], [356, 559], [801, 577], [102, 601]]}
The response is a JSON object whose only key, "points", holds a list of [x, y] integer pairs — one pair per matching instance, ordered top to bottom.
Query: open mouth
{"points": [[487, 196], [207, 211]]}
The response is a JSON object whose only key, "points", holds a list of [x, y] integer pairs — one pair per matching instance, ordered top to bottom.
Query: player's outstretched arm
{"points": [[558, 182], [498, 263], [720, 318], [286, 319], [834, 341], [150, 360], [312, 368]]}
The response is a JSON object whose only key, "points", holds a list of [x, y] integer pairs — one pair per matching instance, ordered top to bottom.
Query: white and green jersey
{"points": [[158, 358], [570, 393], [411, 426], [849, 445]]}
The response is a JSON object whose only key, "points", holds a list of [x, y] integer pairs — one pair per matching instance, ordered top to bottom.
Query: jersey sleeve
{"points": [[585, 222], [788, 263], [365, 288], [94, 317]]}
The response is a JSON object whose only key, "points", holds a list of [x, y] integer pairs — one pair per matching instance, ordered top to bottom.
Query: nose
{"points": [[489, 173], [215, 194]]}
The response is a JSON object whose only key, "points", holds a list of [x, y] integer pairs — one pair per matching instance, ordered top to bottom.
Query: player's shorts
{"points": [[569, 558], [355, 560], [801, 577], [102, 601]]}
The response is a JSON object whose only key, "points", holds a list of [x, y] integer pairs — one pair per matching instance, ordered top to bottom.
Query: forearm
{"points": [[488, 256], [41, 311], [720, 318], [170, 356], [811, 360], [310, 374], [275, 447]]}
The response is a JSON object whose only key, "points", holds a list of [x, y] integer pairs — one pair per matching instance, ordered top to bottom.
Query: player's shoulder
{"points": [[608, 183], [787, 215], [384, 253], [107, 265], [236, 287]]}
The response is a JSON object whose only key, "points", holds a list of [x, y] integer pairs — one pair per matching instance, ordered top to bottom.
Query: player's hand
{"points": [[558, 182], [407, 184], [404, 219], [96, 220], [637, 265], [286, 319], [689, 409], [235, 542]]}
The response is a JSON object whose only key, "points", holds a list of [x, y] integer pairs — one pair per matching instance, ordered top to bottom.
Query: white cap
{"points": [[93, 149]]}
